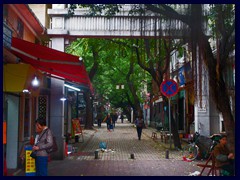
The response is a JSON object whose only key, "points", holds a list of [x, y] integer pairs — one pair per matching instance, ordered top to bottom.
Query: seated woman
{"points": [[224, 158]]}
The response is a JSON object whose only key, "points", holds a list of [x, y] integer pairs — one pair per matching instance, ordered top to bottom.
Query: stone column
{"points": [[202, 104], [56, 123], [12, 131]]}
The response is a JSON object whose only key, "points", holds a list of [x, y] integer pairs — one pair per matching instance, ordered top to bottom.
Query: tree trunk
{"points": [[136, 101], [151, 108], [230, 129], [174, 130], [176, 139]]}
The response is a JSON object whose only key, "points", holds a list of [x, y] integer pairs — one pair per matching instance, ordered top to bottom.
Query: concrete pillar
{"points": [[58, 44], [57, 106], [202, 108], [56, 122], [12, 131]]}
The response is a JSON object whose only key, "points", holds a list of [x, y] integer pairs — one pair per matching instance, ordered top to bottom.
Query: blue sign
{"points": [[181, 76], [169, 88]]}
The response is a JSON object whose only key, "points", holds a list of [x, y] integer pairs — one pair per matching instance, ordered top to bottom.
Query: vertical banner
{"points": [[30, 168]]}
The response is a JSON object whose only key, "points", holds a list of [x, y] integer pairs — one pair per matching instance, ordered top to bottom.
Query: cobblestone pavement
{"points": [[149, 155]]}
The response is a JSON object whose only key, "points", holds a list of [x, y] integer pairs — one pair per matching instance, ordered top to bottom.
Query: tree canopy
{"points": [[211, 40]]}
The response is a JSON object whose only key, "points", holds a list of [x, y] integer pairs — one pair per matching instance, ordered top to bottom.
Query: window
{"points": [[20, 29], [42, 107]]}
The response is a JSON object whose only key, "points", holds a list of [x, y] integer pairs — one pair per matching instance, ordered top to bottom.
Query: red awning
{"points": [[51, 61]]}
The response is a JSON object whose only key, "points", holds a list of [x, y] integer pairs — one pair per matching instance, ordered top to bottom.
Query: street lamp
{"points": [[35, 82], [63, 99]]}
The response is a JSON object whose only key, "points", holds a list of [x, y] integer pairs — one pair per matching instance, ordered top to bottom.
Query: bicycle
{"points": [[214, 141], [191, 151]]}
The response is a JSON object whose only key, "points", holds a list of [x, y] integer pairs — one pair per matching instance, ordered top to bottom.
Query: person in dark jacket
{"points": [[121, 117], [99, 119], [114, 119], [108, 120], [139, 126], [43, 141], [223, 157]]}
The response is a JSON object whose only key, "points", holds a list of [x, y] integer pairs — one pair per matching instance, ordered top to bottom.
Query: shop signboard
{"points": [[30, 168]]}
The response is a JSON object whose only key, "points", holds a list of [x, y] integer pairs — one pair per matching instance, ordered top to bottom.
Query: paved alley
{"points": [[149, 155]]}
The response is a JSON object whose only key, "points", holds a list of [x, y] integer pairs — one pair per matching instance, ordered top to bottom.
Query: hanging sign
{"points": [[169, 88]]}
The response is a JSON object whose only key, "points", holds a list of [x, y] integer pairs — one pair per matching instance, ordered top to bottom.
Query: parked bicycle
{"points": [[215, 140], [191, 151]]}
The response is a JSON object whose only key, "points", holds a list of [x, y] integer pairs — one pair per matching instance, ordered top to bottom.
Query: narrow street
{"points": [[149, 156]]}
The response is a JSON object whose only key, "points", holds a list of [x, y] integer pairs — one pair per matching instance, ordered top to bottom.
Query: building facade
{"points": [[19, 108]]}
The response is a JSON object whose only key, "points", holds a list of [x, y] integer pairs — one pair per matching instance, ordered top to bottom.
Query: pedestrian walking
{"points": [[121, 117], [114, 118], [99, 119], [108, 120], [139, 126], [43, 142]]}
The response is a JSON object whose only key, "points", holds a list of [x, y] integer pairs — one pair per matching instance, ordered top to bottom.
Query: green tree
{"points": [[222, 18], [223, 21], [108, 60]]}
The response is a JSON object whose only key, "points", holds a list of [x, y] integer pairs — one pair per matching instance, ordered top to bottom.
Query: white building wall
{"points": [[40, 10], [206, 115]]}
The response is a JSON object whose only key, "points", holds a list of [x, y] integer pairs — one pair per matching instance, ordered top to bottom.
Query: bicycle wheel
{"points": [[190, 152]]}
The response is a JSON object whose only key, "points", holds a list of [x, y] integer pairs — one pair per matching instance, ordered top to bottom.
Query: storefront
{"points": [[58, 68]]}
